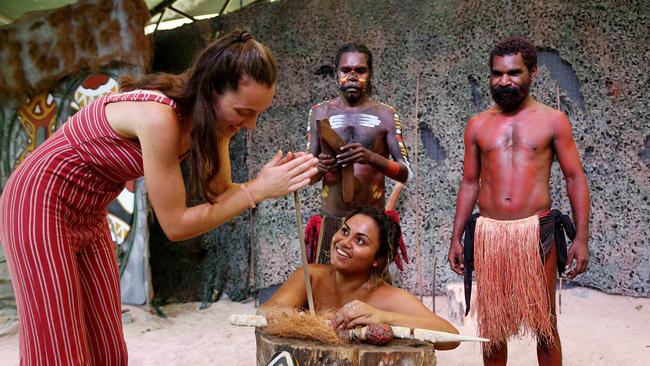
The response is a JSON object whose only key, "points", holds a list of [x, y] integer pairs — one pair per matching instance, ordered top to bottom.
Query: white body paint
{"points": [[359, 119]]}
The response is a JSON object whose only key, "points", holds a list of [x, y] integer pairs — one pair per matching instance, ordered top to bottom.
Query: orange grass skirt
{"points": [[512, 299]]}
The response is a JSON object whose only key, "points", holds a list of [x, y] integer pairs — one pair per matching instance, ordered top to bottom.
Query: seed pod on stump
{"points": [[375, 334], [379, 334]]}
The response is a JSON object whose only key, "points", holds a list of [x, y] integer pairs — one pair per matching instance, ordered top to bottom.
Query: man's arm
{"points": [[398, 150], [397, 169], [578, 190], [467, 196]]}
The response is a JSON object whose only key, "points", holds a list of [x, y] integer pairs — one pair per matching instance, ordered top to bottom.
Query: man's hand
{"points": [[354, 153], [326, 163], [580, 252], [455, 257]]}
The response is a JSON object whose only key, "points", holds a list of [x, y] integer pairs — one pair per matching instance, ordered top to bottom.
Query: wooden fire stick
{"points": [[303, 248], [303, 253], [425, 335]]}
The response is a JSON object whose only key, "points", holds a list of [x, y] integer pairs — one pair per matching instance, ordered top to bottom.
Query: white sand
{"points": [[596, 329]]}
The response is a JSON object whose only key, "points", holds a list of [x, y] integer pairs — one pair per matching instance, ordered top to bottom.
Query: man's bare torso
{"points": [[367, 124], [516, 152]]}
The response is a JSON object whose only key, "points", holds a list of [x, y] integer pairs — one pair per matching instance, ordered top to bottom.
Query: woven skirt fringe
{"points": [[512, 299]]}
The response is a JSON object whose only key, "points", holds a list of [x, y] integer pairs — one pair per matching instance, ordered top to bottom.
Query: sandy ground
{"points": [[596, 329]]}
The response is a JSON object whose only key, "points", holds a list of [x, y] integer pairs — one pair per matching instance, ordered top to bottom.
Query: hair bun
{"points": [[245, 36]]}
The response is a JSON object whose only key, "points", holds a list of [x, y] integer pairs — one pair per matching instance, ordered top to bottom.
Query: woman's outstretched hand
{"points": [[283, 175], [356, 313]]}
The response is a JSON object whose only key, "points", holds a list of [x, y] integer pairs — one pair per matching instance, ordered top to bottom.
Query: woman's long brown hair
{"points": [[217, 69]]}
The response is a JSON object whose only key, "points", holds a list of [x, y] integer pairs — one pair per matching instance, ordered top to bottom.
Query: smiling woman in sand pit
{"points": [[355, 286]]}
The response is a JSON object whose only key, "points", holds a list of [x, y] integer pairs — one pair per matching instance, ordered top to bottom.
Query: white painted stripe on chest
{"points": [[358, 119]]}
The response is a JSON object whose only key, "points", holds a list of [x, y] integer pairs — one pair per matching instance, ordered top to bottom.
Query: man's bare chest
{"points": [[364, 128], [515, 135]]}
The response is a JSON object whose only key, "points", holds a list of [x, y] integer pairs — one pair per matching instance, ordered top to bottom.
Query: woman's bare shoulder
{"points": [[132, 119], [318, 270], [389, 296]]}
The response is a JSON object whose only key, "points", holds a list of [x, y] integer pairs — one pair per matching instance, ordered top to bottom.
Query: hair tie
{"points": [[244, 36]]}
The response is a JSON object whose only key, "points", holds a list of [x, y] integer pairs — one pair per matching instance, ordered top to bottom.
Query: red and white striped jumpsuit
{"points": [[56, 239]]}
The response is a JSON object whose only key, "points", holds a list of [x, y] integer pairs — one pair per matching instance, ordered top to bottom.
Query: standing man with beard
{"points": [[372, 133], [517, 243]]}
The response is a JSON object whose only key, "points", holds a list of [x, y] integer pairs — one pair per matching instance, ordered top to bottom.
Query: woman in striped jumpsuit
{"points": [[53, 208]]}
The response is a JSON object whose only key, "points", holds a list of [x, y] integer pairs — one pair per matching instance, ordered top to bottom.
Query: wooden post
{"points": [[417, 189], [252, 259]]}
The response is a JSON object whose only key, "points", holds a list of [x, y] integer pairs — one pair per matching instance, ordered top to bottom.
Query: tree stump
{"points": [[399, 352]]}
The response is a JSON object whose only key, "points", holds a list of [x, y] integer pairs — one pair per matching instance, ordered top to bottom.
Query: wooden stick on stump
{"points": [[303, 248], [425, 335]]}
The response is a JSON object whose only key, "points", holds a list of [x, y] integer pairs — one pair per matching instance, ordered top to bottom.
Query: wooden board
{"points": [[331, 144], [399, 352]]}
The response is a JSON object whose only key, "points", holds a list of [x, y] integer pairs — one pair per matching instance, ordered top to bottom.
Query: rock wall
{"points": [[600, 45]]}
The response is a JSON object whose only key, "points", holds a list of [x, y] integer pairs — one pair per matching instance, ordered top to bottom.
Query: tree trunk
{"points": [[399, 352]]}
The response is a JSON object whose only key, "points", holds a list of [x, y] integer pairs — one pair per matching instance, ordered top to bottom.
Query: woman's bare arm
{"points": [[160, 136], [291, 295], [395, 307]]}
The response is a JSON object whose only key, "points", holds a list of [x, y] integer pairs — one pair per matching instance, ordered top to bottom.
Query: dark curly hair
{"points": [[513, 46], [389, 234]]}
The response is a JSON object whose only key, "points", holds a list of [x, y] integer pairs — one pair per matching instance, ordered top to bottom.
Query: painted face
{"points": [[353, 75], [510, 81], [240, 109], [355, 245]]}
